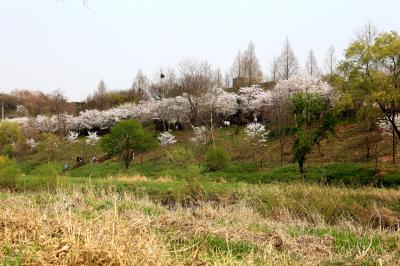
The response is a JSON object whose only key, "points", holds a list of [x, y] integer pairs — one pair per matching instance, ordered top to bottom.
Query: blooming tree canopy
{"points": [[214, 100], [256, 132], [72, 137], [92, 138], [166, 139], [31, 143]]}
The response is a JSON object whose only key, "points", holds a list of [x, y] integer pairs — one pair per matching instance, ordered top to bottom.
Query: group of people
{"points": [[79, 160]]}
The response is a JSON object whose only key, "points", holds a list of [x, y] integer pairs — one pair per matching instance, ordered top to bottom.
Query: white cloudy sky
{"points": [[52, 44]]}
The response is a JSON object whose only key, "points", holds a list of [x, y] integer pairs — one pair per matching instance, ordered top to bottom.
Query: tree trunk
{"points": [[212, 129], [367, 142], [394, 146], [281, 147], [319, 149], [128, 156], [376, 157], [127, 162], [301, 167]]}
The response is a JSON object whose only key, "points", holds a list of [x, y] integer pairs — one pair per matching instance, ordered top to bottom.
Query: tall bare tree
{"points": [[367, 33], [330, 60], [288, 63], [246, 66], [237, 67], [252, 68], [274, 68], [312, 68], [195, 78], [219, 78], [227, 80], [164, 84], [140, 86], [101, 87], [100, 96], [59, 106]]}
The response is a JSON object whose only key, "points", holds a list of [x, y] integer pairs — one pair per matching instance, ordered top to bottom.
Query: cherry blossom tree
{"points": [[254, 100], [388, 129], [257, 136], [72, 137], [92, 138], [167, 139], [200, 141], [32, 144]]}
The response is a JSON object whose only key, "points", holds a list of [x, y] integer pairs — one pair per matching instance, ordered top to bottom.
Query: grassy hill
{"points": [[345, 211]]}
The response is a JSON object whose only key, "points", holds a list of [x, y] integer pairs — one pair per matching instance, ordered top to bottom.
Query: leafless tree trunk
{"points": [[330, 61], [288, 63], [312, 65], [246, 66]]}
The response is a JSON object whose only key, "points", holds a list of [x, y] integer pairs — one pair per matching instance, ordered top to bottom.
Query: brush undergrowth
{"points": [[127, 221]]}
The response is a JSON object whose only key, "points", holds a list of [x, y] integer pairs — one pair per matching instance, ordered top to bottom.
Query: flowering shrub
{"points": [[256, 132], [200, 135], [72, 137], [92, 138], [166, 139], [200, 140], [32, 144]]}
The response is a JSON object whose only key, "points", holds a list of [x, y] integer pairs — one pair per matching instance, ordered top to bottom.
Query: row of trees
{"points": [[244, 72], [207, 105]]}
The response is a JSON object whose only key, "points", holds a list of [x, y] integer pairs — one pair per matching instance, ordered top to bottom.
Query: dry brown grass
{"points": [[137, 178], [109, 228]]}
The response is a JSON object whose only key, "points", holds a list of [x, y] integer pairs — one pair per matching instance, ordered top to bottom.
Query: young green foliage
{"points": [[313, 120], [9, 134], [126, 138], [216, 159]]}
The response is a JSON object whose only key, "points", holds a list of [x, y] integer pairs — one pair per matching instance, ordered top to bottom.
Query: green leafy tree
{"points": [[371, 76], [313, 121], [126, 138]]}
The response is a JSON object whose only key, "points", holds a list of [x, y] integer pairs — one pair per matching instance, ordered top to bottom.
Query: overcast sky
{"points": [[49, 44]]}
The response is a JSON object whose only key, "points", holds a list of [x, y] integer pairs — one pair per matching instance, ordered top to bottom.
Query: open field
{"points": [[197, 223]]}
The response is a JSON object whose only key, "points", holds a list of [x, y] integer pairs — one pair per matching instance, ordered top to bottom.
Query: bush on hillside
{"points": [[48, 145], [181, 156], [216, 159], [8, 173], [43, 177]]}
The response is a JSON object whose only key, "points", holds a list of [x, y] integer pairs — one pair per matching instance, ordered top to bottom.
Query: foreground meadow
{"points": [[119, 222]]}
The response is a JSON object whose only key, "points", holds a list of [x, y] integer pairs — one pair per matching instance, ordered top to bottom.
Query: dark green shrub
{"points": [[8, 150], [216, 159]]}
